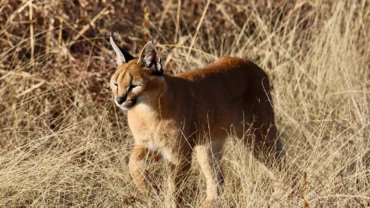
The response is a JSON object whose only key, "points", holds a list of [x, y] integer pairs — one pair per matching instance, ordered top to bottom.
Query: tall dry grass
{"points": [[63, 143]]}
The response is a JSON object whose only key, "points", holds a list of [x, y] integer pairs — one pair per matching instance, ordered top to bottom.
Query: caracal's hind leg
{"points": [[267, 147], [268, 151], [209, 157]]}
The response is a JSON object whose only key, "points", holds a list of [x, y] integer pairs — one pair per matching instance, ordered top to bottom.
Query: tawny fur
{"points": [[196, 110]]}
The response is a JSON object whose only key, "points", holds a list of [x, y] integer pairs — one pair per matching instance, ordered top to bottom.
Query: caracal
{"points": [[196, 110]]}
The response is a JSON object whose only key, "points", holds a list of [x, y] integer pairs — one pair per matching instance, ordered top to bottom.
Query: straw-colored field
{"points": [[63, 142]]}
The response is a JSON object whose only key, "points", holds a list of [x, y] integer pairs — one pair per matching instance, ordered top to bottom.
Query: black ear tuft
{"points": [[126, 54], [122, 56]]}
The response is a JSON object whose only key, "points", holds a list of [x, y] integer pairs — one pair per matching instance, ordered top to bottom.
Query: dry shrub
{"points": [[64, 143]]}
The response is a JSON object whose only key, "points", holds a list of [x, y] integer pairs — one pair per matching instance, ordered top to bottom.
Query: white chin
{"points": [[125, 106]]}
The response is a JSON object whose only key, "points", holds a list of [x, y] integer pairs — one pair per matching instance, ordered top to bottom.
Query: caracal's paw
{"points": [[144, 191], [210, 203]]}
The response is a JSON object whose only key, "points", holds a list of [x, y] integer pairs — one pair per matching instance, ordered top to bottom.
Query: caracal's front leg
{"points": [[209, 157], [137, 168], [179, 173]]}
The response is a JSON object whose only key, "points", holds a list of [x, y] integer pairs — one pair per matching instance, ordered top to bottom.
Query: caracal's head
{"points": [[134, 78]]}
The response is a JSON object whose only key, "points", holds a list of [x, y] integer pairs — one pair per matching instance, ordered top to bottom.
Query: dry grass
{"points": [[64, 143]]}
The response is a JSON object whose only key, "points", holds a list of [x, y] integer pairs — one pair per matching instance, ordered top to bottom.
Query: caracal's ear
{"points": [[122, 56], [150, 60]]}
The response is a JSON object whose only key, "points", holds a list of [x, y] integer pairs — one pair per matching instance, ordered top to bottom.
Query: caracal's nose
{"points": [[120, 99]]}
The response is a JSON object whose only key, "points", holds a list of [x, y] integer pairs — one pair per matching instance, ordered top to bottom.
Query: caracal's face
{"points": [[132, 77], [128, 84]]}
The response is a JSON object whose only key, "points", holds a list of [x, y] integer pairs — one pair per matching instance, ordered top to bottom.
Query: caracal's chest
{"points": [[152, 131]]}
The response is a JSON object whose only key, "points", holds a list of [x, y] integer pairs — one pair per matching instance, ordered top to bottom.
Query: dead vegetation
{"points": [[64, 143]]}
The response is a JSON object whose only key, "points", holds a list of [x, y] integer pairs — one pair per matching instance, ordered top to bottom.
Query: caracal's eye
{"points": [[115, 84], [131, 86]]}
